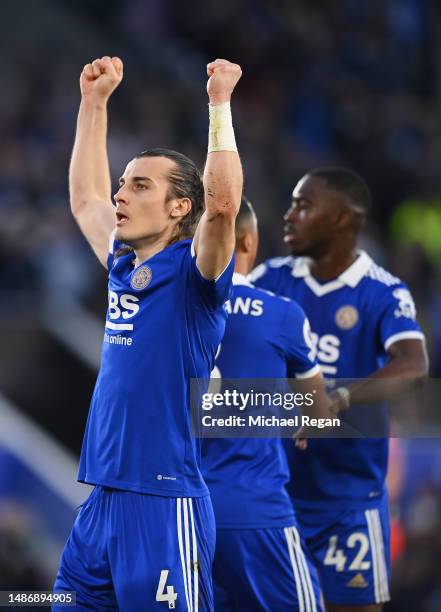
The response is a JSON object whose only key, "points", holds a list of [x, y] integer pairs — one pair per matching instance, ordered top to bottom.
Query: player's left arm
{"points": [[214, 239], [407, 364]]}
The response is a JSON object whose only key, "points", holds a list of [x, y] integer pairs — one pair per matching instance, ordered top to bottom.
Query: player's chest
{"points": [[146, 292], [343, 312], [341, 324]]}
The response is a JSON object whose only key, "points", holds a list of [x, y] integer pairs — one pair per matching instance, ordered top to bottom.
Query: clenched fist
{"points": [[223, 77], [100, 78]]}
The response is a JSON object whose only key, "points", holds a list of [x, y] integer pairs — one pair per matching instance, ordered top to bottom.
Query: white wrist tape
{"points": [[221, 132]]}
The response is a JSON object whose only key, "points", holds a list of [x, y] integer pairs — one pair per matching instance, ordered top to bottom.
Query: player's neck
{"points": [[146, 249], [333, 263], [242, 264]]}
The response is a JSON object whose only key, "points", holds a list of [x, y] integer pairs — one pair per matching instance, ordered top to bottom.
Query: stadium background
{"points": [[354, 83]]}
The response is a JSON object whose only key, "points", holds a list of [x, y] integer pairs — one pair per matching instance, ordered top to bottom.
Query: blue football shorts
{"points": [[350, 549], [129, 551], [263, 569]]}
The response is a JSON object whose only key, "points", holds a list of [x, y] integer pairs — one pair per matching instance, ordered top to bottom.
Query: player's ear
{"points": [[180, 207], [344, 218], [248, 242], [241, 243]]}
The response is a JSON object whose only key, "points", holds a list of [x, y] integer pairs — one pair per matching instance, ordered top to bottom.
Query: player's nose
{"points": [[120, 196], [289, 213]]}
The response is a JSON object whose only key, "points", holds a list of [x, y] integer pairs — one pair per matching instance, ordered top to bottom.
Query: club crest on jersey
{"points": [[141, 278], [346, 317]]}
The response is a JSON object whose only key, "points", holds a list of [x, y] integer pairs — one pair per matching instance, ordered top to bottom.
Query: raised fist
{"points": [[223, 77], [100, 78]]}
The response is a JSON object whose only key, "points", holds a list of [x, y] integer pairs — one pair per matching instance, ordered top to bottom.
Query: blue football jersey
{"points": [[354, 319], [163, 326], [265, 337]]}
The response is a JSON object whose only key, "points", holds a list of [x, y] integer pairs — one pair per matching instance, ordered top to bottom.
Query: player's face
{"points": [[140, 204], [310, 219]]}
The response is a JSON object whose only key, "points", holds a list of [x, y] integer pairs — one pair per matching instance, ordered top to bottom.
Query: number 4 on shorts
{"points": [[335, 556], [169, 596]]}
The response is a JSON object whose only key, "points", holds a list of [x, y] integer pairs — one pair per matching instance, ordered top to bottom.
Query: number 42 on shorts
{"points": [[336, 556], [161, 595]]}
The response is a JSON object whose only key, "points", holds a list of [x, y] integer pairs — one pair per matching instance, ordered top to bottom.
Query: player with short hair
{"points": [[363, 323], [144, 539], [259, 562]]}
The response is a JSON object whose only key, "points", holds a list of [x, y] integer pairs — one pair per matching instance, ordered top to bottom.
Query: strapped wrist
{"points": [[221, 133]]}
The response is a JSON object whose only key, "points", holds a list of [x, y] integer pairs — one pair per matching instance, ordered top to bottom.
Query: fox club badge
{"points": [[141, 278], [346, 317]]}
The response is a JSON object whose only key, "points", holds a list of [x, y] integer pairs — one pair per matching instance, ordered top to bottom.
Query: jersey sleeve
{"points": [[211, 293], [398, 318], [298, 344]]}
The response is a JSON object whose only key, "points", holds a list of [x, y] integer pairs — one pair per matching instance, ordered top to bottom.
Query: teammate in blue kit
{"points": [[363, 323], [144, 540], [259, 563]]}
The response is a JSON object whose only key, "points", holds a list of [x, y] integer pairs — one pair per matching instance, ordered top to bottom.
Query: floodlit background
{"points": [[354, 83]]}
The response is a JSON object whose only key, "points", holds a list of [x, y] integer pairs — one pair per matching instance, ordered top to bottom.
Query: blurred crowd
{"points": [[325, 83], [349, 83]]}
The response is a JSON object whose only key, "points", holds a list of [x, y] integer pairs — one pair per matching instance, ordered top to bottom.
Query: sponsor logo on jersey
{"points": [[141, 278], [124, 306], [346, 317], [327, 352], [357, 582]]}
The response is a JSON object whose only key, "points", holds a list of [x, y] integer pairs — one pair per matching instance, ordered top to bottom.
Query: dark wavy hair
{"points": [[185, 182]]}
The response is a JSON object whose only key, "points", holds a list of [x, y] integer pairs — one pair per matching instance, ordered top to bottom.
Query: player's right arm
{"points": [[89, 176]]}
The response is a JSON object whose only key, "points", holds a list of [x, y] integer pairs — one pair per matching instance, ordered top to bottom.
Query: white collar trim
{"points": [[350, 277], [240, 279]]}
